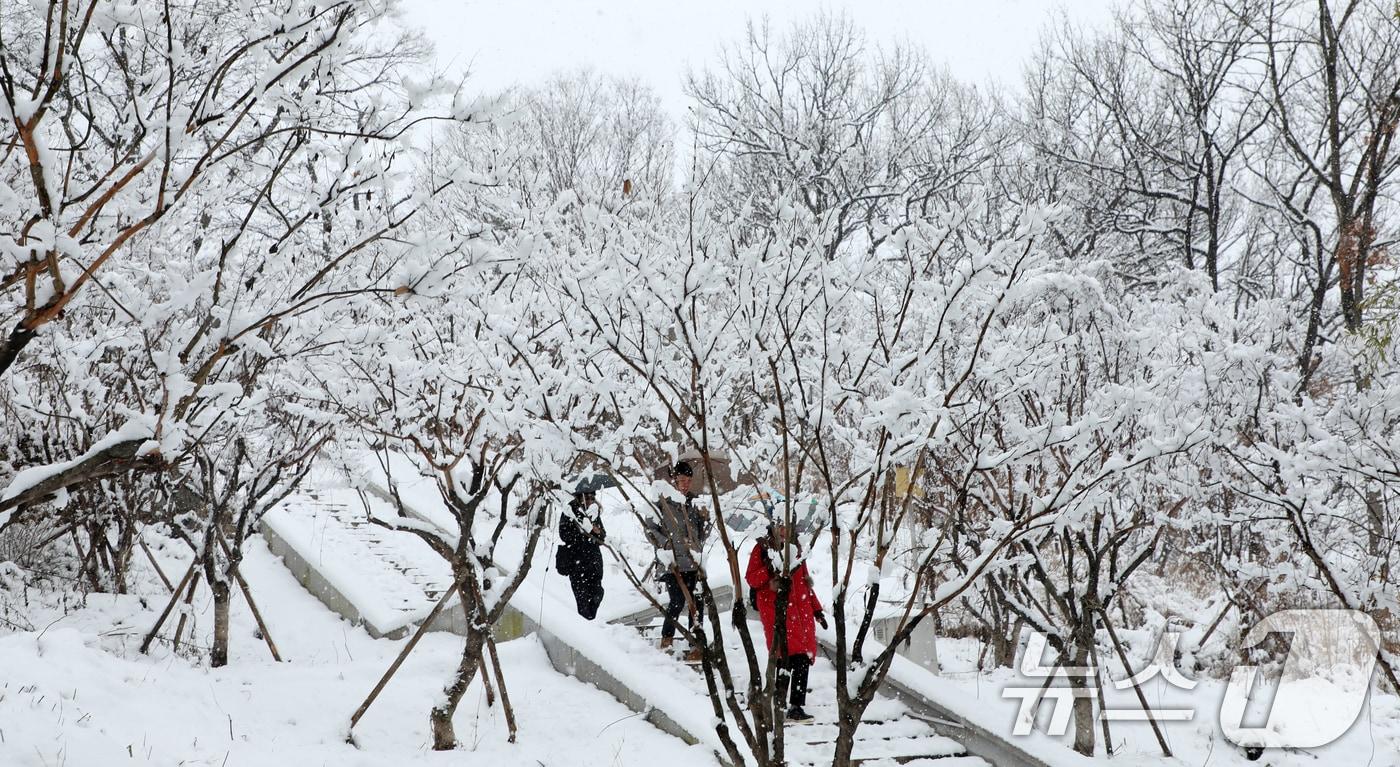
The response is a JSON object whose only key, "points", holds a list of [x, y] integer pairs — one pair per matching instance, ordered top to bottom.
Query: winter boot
{"points": [[666, 643], [695, 655], [796, 714]]}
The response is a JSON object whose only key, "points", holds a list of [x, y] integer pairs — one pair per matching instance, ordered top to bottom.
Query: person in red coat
{"points": [[804, 611]]}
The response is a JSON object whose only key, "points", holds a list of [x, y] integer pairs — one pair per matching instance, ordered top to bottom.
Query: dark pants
{"points": [[587, 583], [676, 593], [798, 665]]}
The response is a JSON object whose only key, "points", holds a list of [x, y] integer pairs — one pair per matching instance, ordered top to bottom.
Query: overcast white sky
{"points": [[505, 42]]}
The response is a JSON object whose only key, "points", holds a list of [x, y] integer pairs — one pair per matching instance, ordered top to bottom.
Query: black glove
{"points": [[821, 618]]}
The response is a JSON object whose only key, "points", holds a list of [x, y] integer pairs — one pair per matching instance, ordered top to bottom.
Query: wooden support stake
{"points": [[136, 533], [56, 536], [103, 547], [152, 557], [87, 561], [174, 597], [252, 606], [185, 614], [257, 616], [1215, 624], [407, 648], [1128, 668], [485, 675], [1049, 680], [501, 683], [1103, 706]]}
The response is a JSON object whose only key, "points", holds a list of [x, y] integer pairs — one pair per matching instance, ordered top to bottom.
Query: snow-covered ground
{"points": [[76, 692]]}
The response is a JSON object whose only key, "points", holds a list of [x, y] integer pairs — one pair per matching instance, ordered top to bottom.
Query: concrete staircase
{"points": [[382, 579], [389, 580], [890, 734]]}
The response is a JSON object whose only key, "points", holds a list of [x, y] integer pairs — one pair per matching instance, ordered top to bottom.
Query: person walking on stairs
{"points": [[679, 533], [580, 555], [804, 611]]}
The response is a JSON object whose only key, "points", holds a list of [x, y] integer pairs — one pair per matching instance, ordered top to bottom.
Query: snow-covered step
{"points": [[880, 710], [826, 732], [903, 748], [898, 749], [946, 761]]}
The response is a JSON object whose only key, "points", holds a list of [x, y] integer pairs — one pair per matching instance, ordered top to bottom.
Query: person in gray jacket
{"points": [[680, 528]]}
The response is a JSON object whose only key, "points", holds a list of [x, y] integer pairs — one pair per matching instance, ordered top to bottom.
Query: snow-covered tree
{"points": [[221, 186], [470, 381]]}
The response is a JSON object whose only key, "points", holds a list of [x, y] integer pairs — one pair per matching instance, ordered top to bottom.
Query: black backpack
{"points": [[563, 557]]}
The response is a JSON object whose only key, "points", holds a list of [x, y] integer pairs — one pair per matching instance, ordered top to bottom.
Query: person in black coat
{"points": [[580, 556]]}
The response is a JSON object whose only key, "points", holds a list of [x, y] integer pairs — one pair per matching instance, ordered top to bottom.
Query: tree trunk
{"points": [[126, 543], [1005, 639], [218, 654], [1083, 703], [440, 719], [849, 721], [444, 738], [845, 744]]}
